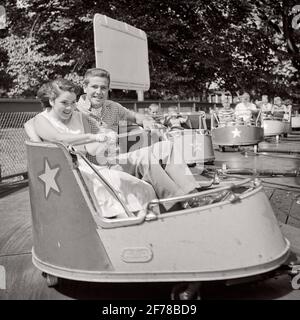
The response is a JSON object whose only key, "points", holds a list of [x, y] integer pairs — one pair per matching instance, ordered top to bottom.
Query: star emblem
{"points": [[236, 133], [48, 177]]}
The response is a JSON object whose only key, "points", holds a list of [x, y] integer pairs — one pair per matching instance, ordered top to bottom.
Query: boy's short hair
{"points": [[96, 72], [277, 99], [287, 101], [153, 106], [173, 108]]}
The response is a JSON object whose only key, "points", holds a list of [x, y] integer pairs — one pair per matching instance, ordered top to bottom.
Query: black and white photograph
{"points": [[149, 151]]}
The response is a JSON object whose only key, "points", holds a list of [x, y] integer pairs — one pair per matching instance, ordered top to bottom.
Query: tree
{"points": [[280, 20], [238, 44], [27, 66]]}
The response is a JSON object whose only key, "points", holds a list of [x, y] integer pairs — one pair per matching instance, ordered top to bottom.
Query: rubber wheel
{"points": [[51, 280], [295, 281], [186, 291]]}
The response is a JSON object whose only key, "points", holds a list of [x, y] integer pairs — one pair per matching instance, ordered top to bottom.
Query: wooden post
{"points": [[140, 95]]}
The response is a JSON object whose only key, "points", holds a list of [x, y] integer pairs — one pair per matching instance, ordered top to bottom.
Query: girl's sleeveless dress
{"points": [[133, 191]]}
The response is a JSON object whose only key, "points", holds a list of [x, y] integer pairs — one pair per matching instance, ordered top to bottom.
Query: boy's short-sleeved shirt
{"points": [[266, 107], [244, 111], [279, 111], [109, 115], [226, 115]]}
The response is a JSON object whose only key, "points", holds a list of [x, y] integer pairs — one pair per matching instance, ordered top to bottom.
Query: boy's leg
{"points": [[145, 163], [142, 164], [175, 166]]}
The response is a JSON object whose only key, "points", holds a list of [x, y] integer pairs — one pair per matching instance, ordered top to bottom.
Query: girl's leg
{"points": [[175, 166]]}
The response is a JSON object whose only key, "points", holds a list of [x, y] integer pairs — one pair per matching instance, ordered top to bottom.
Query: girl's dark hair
{"points": [[51, 90]]}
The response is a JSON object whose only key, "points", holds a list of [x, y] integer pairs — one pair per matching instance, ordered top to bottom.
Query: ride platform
{"points": [[289, 144]]}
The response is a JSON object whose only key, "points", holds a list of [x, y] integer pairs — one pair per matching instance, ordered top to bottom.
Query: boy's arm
{"points": [[254, 109], [132, 116], [140, 118]]}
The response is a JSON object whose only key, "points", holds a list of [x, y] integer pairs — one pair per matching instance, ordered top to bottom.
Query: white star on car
{"points": [[236, 133], [48, 177]]}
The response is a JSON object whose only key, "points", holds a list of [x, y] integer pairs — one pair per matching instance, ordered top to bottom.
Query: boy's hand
{"points": [[148, 124], [112, 136], [100, 137]]}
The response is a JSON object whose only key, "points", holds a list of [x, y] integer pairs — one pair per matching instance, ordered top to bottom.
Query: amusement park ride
{"points": [[295, 121], [274, 126], [236, 135], [232, 234]]}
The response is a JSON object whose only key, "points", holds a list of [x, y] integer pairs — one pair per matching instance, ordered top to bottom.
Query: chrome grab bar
{"points": [[229, 187]]}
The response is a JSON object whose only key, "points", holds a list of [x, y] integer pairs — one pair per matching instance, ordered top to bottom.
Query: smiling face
{"points": [[97, 91], [245, 98], [264, 99], [278, 101], [225, 102], [63, 105], [226, 105], [153, 109], [172, 111]]}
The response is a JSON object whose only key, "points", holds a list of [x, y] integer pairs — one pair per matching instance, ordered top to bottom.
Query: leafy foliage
{"points": [[238, 44], [27, 65]]}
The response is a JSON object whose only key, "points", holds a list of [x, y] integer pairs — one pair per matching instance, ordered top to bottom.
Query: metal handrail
{"points": [[258, 118], [230, 187]]}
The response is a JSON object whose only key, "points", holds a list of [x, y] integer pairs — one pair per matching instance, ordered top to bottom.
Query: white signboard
{"points": [[122, 50]]}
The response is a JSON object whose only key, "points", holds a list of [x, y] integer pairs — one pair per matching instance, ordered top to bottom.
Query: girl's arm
{"points": [[48, 132]]}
